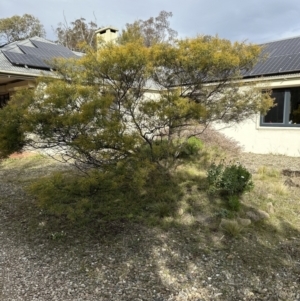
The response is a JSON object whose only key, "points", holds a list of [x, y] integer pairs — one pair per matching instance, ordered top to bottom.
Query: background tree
{"points": [[18, 28], [151, 31], [76, 33], [100, 112]]}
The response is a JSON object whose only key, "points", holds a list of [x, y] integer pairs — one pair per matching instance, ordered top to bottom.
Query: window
{"points": [[3, 100], [286, 111]]}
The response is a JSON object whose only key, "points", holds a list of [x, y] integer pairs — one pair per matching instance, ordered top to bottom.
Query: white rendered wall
{"points": [[264, 140]]}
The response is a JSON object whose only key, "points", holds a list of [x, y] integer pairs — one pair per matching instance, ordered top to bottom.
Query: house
{"points": [[21, 62], [277, 132]]}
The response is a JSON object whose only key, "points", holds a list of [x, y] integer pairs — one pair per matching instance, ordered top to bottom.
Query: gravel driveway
{"points": [[42, 261]]}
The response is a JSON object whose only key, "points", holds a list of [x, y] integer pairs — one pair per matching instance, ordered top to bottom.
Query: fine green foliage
{"points": [[18, 28], [149, 32], [76, 34], [102, 109], [127, 115], [12, 137], [191, 148], [214, 177], [233, 179], [236, 179], [230, 181], [128, 194], [72, 196], [234, 202], [171, 233]]}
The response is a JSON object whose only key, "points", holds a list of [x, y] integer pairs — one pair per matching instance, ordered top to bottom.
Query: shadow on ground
{"points": [[182, 255]]}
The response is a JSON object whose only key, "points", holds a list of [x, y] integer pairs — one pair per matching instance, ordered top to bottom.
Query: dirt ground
{"points": [[279, 162], [42, 259]]}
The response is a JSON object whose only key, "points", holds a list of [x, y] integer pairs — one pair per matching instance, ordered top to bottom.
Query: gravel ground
{"points": [[254, 161], [42, 261]]}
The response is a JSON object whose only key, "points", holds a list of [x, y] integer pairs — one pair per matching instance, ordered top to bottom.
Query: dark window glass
{"points": [[3, 99], [275, 115], [294, 117]]}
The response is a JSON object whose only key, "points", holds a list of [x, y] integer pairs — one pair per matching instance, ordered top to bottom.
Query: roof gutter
{"points": [[9, 73], [19, 74], [272, 77]]}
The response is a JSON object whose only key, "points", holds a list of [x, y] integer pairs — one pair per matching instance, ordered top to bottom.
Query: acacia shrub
{"points": [[131, 191]]}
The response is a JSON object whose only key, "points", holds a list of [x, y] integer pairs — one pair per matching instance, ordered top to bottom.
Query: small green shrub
{"points": [[11, 137], [191, 147], [214, 177], [233, 179], [236, 180], [230, 181], [234, 202]]}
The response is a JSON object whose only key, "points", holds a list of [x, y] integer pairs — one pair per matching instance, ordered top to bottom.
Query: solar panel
{"points": [[50, 46], [45, 53], [39, 56], [282, 57], [25, 60]]}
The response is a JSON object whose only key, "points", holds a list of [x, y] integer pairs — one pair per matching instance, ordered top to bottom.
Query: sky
{"points": [[255, 21]]}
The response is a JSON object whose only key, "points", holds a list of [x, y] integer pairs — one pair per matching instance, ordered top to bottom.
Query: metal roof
{"points": [[28, 57], [278, 58]]}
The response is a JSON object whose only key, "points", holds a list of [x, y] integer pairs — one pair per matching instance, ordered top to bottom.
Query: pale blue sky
{"points": [[252, 20]]}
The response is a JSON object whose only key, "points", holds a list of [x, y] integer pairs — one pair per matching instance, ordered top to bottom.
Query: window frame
{"points": [[286, 112]]}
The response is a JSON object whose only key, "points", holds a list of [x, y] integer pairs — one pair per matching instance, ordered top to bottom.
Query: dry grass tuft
{"points": [[265, 172], [279, 189], [231, 227]]}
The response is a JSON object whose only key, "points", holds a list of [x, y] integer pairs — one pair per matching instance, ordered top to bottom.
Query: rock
{"points": [[291, 173], [289, 182], [263, 214], [258, 215], [253, 216], [244, 221], [227, 222]]}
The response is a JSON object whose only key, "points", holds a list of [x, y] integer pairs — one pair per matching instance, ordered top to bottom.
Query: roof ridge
{"points": [[283, 39]]}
